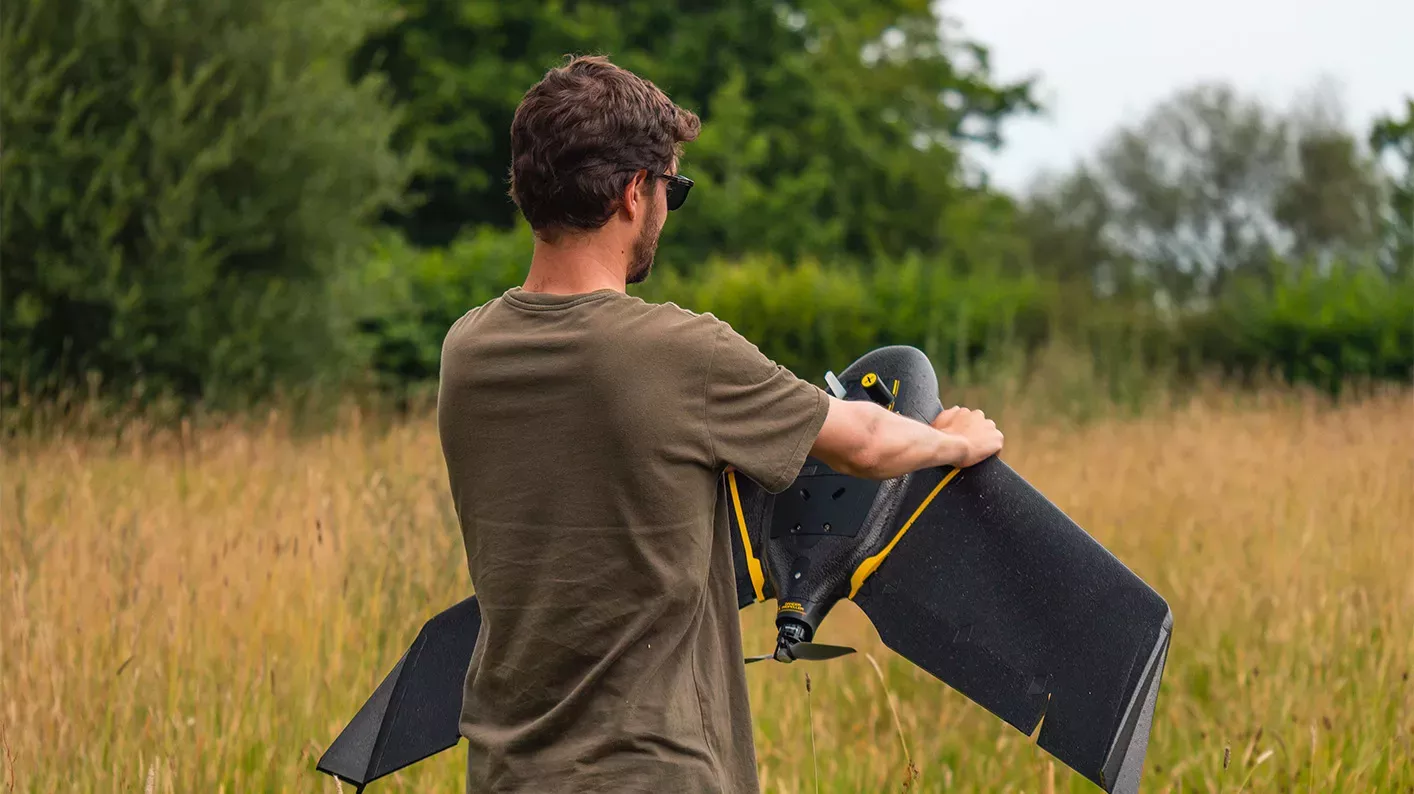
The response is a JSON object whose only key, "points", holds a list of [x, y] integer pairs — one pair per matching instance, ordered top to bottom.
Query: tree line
{"points": [[227, 198]]}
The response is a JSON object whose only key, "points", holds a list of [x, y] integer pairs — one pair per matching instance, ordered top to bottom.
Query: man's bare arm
{"points": [[862, 439]]}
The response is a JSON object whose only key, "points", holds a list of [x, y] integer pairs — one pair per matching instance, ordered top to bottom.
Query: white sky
{"points": [[1105, 62]]}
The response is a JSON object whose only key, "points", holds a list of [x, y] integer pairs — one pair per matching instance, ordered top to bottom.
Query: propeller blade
{"points": [[804, 652], [818, 652]]}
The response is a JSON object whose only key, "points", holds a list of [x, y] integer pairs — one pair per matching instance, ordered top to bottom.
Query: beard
{"points": [[644, 247]]}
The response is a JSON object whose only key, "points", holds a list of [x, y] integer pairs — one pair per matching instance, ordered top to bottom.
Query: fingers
{"points": [[945, 417], [960, 418]]}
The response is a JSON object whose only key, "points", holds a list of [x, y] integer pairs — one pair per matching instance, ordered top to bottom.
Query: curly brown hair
{"points": [[578, 137]]}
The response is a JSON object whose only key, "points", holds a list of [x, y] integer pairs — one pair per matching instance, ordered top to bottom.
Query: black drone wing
{"points": [[998, 593], [415, 712]]}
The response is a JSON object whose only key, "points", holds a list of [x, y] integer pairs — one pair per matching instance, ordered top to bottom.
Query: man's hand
{"points": [[981, 434]]}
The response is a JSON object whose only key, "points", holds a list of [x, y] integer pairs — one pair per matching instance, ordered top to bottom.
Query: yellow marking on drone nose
{"points": [[868, 380], [871, 564], [753, 565]]}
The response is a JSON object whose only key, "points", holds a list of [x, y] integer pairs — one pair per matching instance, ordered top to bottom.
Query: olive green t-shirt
{"points": [[584, 436]]}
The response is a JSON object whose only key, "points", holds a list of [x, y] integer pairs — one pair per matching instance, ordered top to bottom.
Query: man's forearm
{"points": [[861, 439], [899, 445]]}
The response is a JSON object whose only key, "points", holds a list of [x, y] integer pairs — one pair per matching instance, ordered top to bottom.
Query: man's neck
{"points": [[576, 267]]}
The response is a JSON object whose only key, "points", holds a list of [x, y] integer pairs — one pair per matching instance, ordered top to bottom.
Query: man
{"points": [[584, 432]]}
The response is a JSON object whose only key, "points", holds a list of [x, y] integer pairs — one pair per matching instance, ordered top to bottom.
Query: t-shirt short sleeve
{"points": [[761, 418]]}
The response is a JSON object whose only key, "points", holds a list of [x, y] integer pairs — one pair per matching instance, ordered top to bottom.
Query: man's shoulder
{"points": [[670, 316], [661, 324], [460, 325], [701, 335]]}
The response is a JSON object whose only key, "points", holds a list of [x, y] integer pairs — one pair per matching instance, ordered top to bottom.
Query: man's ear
{"points": [[635, 195]]}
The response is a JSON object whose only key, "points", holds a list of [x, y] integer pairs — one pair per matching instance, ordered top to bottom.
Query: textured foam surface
{"points": [[998, 593], [415, 711], [349, 756]]}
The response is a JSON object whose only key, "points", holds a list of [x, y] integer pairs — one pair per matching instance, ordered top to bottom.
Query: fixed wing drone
{"points": [[970, 574]]}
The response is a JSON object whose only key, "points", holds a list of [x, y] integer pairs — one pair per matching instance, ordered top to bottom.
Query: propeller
{"points": [[792, 644], [803, 651]]}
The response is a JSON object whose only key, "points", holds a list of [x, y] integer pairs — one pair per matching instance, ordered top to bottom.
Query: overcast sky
{"points": [[1105, 62]]}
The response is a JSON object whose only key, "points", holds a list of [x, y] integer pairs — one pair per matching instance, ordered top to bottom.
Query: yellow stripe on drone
{"points": [[895, 399], [871, 564], [753, 565]]}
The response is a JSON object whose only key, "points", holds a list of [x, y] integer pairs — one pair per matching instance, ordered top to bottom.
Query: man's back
{"points": [[584, 436]]}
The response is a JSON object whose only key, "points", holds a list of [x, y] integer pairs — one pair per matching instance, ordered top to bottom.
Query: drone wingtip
{"points": [[1125, 764]]}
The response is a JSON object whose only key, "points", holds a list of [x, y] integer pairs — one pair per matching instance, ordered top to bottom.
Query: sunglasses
{"points": [[677, 189]]}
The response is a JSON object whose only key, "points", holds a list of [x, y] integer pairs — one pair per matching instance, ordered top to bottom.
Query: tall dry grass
{"points": [[202, 611]]}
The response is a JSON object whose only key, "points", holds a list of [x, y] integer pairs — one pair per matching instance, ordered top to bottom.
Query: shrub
{"points": [[182, 180], [414, 295], [809, 317], [1314, 327], [1325, 328]]}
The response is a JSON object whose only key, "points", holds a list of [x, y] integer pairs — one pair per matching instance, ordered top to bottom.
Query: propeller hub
{"points": [[792, 631]]}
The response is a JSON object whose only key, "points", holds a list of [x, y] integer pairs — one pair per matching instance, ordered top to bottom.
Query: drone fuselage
{"points": [[828, 531]]}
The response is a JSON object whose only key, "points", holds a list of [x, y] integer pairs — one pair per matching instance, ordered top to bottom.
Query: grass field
{"points": [[202, 611]]}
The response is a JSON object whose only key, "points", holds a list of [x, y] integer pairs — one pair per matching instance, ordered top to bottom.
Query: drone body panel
{"points": [[747, 507], [814, 536]]}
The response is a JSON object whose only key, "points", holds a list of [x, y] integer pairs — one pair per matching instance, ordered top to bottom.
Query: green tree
{"points": [[830, 127], [1393, 138], [184, 183], [1208, 186], [1329, 200], [1065, 221]]}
